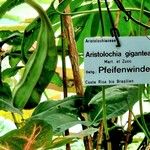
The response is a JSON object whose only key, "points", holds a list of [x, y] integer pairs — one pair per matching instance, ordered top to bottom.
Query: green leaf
{"points": [[63, 4], [76, 4], [8, 5], [95, 21], [85, 27], [127, 30], [31, 31], [86, 32], [29, 37], [11, 38], [15, 56], [14, 60], [9, 72], [57, 80], [5, 92], [90, 92], [5, 99], [118, 100], [50, 105], [8, 106], [53, 112], [59, 121], [135, 126], [83, 133], [36, 134], [61, 141]]}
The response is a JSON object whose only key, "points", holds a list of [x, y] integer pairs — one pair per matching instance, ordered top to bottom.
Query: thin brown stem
{"points": [[117, 19], [73, 54], [64, 74], [15, 120], [128, 130], [99, 136], [148, 147]]}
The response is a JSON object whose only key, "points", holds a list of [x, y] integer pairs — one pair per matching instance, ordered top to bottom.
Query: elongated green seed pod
{"points": [[35, 64], [46, 76]]}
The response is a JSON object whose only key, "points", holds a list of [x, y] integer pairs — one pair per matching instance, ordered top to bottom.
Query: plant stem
{"points": [[85, 12], [118, 14], [101, 17], [131, 28], [73, 54], [64, 74], [141, 86], [65, 91], [146, 91], [46, 95], [141, 111], [13, 115], [105, 118], [135, 118], [15, 120], [128, 129], [99, 136]]}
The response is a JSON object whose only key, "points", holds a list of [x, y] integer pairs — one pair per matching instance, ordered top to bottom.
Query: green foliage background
{"points": [[48, 115]]}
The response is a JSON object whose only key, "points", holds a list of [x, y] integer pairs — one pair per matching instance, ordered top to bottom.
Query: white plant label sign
{"points": [[106, 64]]}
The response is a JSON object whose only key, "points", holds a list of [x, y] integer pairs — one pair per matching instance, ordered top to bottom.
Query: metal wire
{"points": [[128, 13], [101, 17], [114, 31]]}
